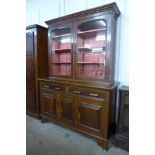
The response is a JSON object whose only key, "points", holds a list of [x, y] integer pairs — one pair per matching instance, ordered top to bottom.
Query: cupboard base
{"points": [[33, 114], [101, 142]]}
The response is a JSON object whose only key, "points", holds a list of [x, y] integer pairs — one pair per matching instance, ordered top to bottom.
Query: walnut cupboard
{"points": [[36, 58]]}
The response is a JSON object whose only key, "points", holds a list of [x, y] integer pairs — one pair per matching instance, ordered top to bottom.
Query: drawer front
{"points": [[48, 87], [88, 92]]}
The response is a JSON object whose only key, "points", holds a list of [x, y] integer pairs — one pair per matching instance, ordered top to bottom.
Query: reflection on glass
{"points": [[60, 45], [91, 49]]}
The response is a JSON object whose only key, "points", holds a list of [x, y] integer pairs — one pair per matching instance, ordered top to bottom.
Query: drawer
{"points": [[49, 87], [88, 92]]}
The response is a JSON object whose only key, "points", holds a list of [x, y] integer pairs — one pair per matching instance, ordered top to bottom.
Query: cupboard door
{"points": [[92, 49], [60, 50], [30, 73], [49, 105], [67, 110], [90, 115]]}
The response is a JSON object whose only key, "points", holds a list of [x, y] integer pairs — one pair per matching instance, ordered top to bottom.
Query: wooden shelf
{"points": [[90, 33], [60, 36], [85, 49], [61, 50], [92, 50], [59, 63], [93, 63], [60, 74]]}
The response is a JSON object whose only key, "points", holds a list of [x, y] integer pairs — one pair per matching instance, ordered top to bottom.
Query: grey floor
{"points": [[51, 139]]}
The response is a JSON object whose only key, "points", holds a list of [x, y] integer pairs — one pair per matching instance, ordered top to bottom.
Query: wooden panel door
{"points": [[30, 73], [49, 105], [67, 112], [90, 115]]}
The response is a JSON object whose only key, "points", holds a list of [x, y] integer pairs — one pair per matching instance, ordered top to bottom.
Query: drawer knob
{"points": [[46, 86], [57, 88], [76, 92], [94, 95]]}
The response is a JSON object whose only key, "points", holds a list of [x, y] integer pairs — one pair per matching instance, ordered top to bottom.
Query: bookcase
{"points": [[79, 91]]}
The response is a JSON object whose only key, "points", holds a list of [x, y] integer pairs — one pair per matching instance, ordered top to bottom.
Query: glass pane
{"points": [[91, 49], [60, 61]]}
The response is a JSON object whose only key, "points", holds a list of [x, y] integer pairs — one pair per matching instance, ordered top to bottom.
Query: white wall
{"points": [[39, 11]]}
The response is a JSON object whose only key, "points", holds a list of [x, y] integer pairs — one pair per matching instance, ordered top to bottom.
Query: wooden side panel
{"points": [[42, 57], [36, 66], [30, 73]]}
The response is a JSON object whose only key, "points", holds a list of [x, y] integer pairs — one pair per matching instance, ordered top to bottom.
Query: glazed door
{"points": [[92, 49], [61, 50], [30, 72], [49, 105], [67, 112], [90, 115]]}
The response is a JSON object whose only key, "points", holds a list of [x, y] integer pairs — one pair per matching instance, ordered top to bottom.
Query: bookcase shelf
{"points": [[90, 33], [60, 36], [84, 49], [65, 50], [92, 50], [59, 63], [91, 63]]}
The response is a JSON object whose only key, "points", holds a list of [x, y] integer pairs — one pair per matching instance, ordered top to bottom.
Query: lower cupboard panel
{"points": [[67, 112], [83, 113], [90, 114], [65, 125]]}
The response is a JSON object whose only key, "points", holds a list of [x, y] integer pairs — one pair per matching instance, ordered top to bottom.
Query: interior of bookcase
{"points": [[91, 47], [91, 50], [60, 58]]}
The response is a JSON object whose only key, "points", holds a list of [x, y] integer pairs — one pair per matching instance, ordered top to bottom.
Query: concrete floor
{"points": [[51, 139]]}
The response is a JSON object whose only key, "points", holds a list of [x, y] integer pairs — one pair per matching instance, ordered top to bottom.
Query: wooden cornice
{"points": [[111, 6], [35, 26]]}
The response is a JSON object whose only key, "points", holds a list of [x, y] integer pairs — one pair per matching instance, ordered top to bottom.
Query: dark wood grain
{"points": [[36, 56], [30, 73], [49, 105], [68, 109], [90, 115]]}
